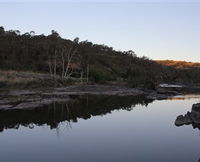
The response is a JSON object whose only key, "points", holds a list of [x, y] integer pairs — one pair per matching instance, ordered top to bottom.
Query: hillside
{"points": [[74, 60], [179, 64]]}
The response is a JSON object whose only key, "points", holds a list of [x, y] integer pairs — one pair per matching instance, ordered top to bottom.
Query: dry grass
{"points": [[179, 64], [13, 77], [19, 79]]}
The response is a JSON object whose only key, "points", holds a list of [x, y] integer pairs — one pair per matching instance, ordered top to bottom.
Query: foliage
{"points": [[83, 59], [97, 75]]}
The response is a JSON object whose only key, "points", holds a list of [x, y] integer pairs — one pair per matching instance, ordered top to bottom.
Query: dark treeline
{"points": [[84, 60], [79, 108]]}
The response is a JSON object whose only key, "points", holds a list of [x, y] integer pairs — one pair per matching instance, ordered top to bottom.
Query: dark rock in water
{"points": [[196, 107], [192, 117], [181, 120]]}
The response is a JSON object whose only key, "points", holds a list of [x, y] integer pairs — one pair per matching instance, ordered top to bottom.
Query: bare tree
{"points": [[67, 56]]}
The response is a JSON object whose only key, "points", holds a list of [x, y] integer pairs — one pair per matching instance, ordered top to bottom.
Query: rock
{"points": [[170, 86], [22, 92], [167, 92], [157, 96], [33, 98], [39, 103], [5, 107], [196, 108], [192, 117], [195, 117], [181, 120]]}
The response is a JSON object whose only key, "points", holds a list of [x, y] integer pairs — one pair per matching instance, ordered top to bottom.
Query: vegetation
{"points": [[84, 61], [179, 64], [21, 80]]}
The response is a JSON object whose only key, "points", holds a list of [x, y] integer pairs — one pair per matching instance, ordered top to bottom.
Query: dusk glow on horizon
{"points": [[156, 29]]}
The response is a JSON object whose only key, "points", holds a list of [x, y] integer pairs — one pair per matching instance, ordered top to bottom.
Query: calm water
{"points": [[101, 129]]}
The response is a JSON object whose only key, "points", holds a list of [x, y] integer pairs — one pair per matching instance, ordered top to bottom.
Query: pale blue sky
{"points": [[159, 29]]}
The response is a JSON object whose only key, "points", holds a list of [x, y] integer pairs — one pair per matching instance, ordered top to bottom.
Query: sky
{"points": [[158, 29]]}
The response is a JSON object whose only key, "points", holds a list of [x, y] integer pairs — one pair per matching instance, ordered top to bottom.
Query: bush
{"points": [[97, 75]]}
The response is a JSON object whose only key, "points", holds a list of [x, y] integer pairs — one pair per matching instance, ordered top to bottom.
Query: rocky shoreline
{"points": [[30, 99]]}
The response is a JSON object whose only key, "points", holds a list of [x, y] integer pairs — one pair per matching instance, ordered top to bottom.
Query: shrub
{"points": [[97, 75]]}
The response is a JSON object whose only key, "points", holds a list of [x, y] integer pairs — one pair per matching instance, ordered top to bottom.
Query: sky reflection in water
{"points": [[100, 129]]}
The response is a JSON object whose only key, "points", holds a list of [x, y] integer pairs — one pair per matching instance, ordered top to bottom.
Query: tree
{"points": [[2, 31], [32, 33], [54, 34], [67, 59]]}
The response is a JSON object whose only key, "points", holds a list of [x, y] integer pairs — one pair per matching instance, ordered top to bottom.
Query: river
{"points": [[101, 128]]}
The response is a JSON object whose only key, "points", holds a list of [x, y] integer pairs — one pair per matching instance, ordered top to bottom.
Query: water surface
{"points": [[101, 129]]}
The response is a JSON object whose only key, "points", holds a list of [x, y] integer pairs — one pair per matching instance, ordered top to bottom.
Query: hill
{"points": [[83, 61], [179, 64]]}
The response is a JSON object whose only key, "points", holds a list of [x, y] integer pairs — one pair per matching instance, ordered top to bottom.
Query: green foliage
{"points": [[99, 76]]}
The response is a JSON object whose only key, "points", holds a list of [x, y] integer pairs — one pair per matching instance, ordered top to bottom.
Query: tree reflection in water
{"points": [[83, 107]]}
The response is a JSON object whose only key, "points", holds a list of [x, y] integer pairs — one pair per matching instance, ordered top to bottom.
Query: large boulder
{"points": [[196, 108], [192, 117], [181, 120]]}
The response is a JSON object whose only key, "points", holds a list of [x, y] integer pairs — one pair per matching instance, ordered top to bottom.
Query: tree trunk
{"points": [[55, 64], [63, 66], [50, 69], [87, 73], [81, 76]]}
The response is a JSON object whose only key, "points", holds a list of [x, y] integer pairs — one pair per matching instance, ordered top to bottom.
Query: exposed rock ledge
{"points": [[30, 99], [192, 117]]}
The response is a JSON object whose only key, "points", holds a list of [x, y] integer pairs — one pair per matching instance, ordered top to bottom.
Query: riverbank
{"points": [[28, 90], [32, 98]]}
